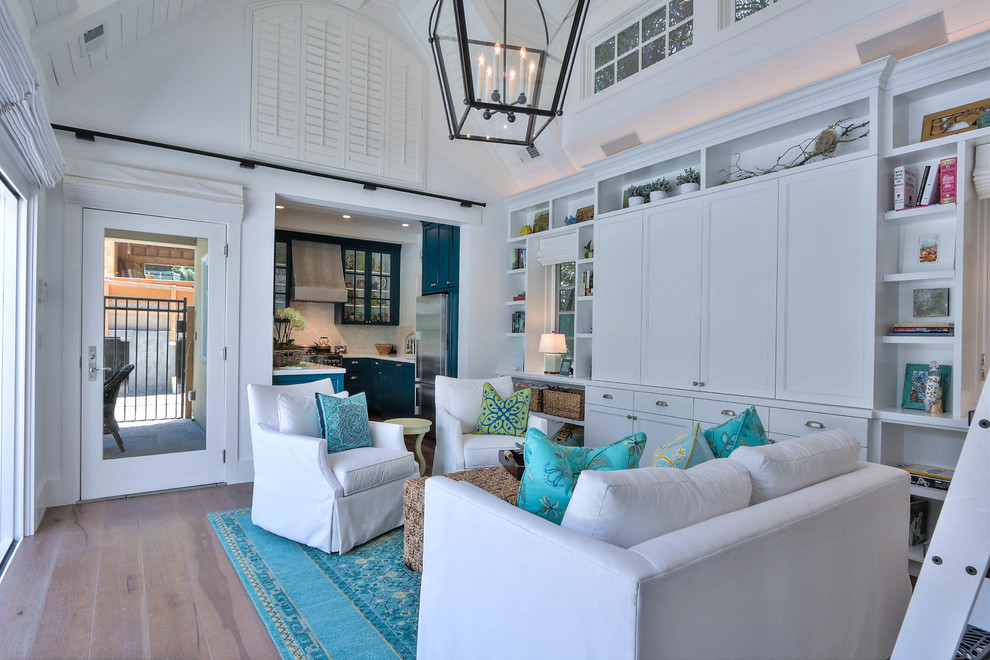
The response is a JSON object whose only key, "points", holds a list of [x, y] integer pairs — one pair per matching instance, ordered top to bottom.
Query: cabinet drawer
{"points": [[353, 364], [608, 396], [663, 404], [716, 412], [802, 422], [779, 437]]}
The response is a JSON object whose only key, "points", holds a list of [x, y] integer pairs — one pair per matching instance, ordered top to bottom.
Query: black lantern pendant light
{"points": [[504, 65]]}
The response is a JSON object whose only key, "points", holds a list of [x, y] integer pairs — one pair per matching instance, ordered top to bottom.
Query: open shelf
{"points": [[916, 212], [919, 277], [918, 339], [928, 493]]}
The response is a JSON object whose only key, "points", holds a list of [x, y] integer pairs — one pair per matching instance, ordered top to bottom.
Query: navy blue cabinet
{"points": [[441, 257], [303, 377], [388, 385]]}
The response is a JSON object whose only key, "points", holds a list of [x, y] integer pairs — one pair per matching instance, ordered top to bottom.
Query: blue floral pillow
{"points": [[504, 416], [344, 422], [743, 430], [686, 451], [552, 470]]}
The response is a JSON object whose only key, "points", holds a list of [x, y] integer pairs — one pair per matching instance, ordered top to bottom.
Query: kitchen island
{"points": [[307, 373]]}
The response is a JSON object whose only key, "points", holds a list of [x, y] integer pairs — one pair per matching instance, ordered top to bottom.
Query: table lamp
{"points": [[553, 345]]}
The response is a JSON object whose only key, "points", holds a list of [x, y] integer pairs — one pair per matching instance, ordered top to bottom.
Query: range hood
{"points": [[317, 272]]}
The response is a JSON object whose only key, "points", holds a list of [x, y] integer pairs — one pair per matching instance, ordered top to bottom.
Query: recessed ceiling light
{"points": [[279, 206], [346, 217], [405, 224]]}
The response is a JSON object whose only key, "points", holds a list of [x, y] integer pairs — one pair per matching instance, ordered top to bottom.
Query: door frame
{"points": [[105, 187]]}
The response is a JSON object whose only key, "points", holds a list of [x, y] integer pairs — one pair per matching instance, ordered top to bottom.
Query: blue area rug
{"points": [[360, 605]]}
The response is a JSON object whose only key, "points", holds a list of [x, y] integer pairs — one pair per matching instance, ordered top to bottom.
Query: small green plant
{"points": [[689, 175], [660, 185], [639, 190], [287, 320]]}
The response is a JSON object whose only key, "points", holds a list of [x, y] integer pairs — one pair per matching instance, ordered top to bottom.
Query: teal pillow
{"points": [[504, 416], [344, 421], [743, 430], [686, 451], [552, 470]]}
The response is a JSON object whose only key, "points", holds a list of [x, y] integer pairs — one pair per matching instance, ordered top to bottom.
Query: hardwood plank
{"points": [[84, 531], [161, 552], [66, 620], [119, 625], [173, 625]]}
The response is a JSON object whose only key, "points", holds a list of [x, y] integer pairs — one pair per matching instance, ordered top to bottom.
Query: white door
{"points": [[672, 297], [153, 298], [617, 315], [740, 315], [825, 328], [603, 426]]}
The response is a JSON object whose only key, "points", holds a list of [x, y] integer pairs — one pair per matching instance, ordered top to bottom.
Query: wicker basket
{"points": [[287, 357], [536, 396], [564, 403]]}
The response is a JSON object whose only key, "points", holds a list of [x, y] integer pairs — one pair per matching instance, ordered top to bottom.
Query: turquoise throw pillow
{"points": [[504, 416], [344, 421], [743, 430], [686, 451], [552, 470]]}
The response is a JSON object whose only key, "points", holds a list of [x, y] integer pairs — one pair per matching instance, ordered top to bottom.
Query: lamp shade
{"points": [[504, 65], [553, 343]]}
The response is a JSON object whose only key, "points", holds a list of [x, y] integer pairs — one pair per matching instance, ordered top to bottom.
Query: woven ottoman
{"points": [[495, 480]]}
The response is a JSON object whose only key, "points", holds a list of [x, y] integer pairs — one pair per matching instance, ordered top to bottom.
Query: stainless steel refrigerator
{"points": [[431, 351]]}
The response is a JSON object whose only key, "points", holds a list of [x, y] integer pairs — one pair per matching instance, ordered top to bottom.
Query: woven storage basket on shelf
{"points": [[286, 358], [535, 399], [564, 403]]}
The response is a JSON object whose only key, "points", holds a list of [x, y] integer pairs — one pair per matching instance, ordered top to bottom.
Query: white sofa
{"points": [[799, 571]]}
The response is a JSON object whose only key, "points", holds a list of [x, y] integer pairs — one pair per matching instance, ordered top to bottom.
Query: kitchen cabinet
{"points": [[441, 257], [371, 275], [825, 324], [303, 377], [354, 378], [388, 385], [605, 424]]}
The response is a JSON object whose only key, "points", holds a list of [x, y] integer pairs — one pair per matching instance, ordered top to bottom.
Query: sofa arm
{"points": [[387, 436], [449, 455], [287, 458], [490, 566]]}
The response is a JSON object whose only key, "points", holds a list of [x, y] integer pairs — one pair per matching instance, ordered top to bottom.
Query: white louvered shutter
{"points": [[323, 65], [406, 78], [275, 80], [365, 99]]}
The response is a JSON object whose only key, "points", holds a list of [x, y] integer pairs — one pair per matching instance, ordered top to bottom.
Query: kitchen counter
{"points": [[375, 356], [310, 369]]}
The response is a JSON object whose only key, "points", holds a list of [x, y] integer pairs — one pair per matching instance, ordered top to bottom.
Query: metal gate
{"points": [[149, 333]]}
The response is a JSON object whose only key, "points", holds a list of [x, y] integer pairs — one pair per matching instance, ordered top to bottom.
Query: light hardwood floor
{"points": [[140, 577]]}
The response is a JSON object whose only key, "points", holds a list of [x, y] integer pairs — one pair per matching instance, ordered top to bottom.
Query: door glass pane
{"points": [[281, 275], [154, 357]]}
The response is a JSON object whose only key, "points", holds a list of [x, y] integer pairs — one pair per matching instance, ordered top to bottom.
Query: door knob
{"points": [[695, 383]]}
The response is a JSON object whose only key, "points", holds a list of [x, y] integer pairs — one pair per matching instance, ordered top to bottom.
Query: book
{"points": [[947, 180], [905, 187], [929, 191], [929, 476], [918, 527]]}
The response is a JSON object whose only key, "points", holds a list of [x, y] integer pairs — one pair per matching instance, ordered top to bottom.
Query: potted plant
{"points": [[688, 181], [659, 189], [636, 194], [284, 349]]}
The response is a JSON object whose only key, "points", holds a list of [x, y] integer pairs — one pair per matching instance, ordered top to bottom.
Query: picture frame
{"points": [[951, 121], [585, 213], [541, 221], [928, 246], [927, 303], [565, 366], [915, 378]]}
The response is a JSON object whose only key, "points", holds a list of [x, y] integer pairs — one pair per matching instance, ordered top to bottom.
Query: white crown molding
{"points": [[930, 66], [981, 171], [133, 190]]}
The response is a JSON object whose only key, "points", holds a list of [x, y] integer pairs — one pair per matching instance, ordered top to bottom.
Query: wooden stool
{"points": [[419, 428]]}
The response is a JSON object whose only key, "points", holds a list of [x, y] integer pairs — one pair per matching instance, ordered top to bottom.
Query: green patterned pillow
{"points": [[504, 416], [344, 422], [743, 430], [685, 452], [552, 470]]}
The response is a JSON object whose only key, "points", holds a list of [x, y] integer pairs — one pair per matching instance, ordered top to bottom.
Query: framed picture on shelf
{"points": [[953, 120], [585, 213], [541, 221], [928, 246], [931, 302], [565, 366], [915, 379]]}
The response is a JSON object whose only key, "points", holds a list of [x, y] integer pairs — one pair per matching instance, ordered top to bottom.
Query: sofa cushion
{"points": [[464, 397], [297, 413], [504, 416], [344, 421], [743, 430], [483, 450], [685, 452], [791, 465], [366, 467], [552, 470], [631, 506]]}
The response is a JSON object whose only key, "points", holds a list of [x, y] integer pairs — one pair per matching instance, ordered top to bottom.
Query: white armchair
{"points": [[458, 403], [328, 501]]}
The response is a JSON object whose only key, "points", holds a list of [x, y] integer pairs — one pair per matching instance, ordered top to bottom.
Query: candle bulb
{"points": [[522, 59], [498, 65], [481, 77], [530, 84], [488, 85], [512, 86]]}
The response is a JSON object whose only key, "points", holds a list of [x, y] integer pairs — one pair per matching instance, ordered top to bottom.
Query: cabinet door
{"points": [[451, 250], [431, 252], [672, 296], [617, 316], [739, 318], [825, 344], [603, 426], [660, 431]]}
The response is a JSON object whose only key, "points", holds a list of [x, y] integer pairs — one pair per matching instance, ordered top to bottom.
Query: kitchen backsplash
{"points": [[358, 339]]}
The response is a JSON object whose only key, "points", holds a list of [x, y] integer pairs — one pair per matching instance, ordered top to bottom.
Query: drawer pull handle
{"points": [[695, 383], [701, 384], [606, 396], [662, 404], [729, 413], [630, 417], [813, 424]]}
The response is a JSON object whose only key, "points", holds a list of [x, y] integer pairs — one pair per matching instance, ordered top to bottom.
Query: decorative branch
{"points": [[819, 147]]}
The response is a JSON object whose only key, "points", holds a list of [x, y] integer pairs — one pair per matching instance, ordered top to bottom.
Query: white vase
{"points": [[688, 187], [656, 195], [637, 200]]}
